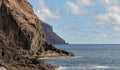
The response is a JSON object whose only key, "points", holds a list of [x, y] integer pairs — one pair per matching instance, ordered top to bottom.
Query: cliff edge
{"points": [[51, 36], [22, 39]]}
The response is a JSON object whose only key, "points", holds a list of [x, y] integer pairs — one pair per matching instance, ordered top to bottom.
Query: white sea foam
{"points": [[59, 57], [77, 57], [45, 58], [102, 67], [61, 68], [88, 68]]}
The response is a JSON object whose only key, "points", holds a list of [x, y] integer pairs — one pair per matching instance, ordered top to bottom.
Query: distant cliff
{"points": [[51, 36], [22, 39]]}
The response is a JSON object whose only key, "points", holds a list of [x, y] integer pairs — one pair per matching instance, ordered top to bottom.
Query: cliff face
{"points": [[20, 25], [51, 36], [22, 39]]}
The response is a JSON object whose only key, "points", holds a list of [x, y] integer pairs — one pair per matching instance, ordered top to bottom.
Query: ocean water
{"points": [[89, 57]]}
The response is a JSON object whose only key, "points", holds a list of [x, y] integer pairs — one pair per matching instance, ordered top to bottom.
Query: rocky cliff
{"points": [[51, 36], [22, 39]]}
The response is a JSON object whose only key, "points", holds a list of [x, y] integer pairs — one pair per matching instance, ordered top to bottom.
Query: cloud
{"points": [[85, 2], [109, 2], [73, 7], [78, 7], [113, 9], [44, 12], [112, 14], [109, 18], [65, 26], [116, 28], [103, 36]]}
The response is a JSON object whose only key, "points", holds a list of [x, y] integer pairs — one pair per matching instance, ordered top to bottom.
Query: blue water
{"points": [[89, 57]]}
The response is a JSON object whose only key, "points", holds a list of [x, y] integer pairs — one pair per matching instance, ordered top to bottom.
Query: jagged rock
{"points": [[51, 36], [22, 38]]}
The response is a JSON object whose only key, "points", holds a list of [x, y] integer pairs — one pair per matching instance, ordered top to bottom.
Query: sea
{"points": [[89, 57]]}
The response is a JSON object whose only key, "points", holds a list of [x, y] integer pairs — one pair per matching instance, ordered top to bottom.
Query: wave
{"points": [[60, 57], [77, 57], [102, 67], [106, 67], [61, 68], [89, 68]]}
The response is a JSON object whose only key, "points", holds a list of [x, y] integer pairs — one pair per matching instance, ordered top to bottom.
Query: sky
{"points": [[82, 21]]}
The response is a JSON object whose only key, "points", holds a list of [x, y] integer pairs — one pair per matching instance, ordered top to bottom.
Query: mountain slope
{"points": [[51, 36]]}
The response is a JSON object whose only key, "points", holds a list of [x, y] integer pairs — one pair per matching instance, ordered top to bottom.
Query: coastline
{"points": [[57, 57]]}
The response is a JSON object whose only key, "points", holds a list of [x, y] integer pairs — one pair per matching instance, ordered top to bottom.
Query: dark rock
{"points": [[51, 36], [22, 39]]}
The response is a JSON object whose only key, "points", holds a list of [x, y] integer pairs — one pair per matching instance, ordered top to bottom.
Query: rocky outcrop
{"points": [[51, 36], [22, 38]]}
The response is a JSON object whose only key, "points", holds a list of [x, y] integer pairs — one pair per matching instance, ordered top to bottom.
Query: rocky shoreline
{"points": [[22, 39]]}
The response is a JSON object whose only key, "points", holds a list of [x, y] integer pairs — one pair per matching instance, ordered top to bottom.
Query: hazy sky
{"points": [[82, 21]]}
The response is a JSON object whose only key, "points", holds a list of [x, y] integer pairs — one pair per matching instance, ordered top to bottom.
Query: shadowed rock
{"points": [[51, 36]]}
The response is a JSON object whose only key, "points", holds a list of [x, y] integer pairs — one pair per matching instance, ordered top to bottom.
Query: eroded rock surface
{"points": [[22, 38]]}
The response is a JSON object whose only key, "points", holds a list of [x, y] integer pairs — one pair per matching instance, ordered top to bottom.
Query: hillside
{"points": [[51, 36]]}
